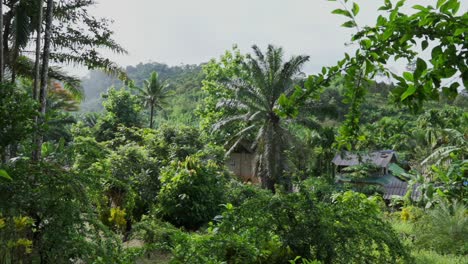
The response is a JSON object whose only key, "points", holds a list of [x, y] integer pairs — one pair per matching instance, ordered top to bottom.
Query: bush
{"points": [[17, 111], [171, 143], [191, 192], [237, 193], [65, 226], [278, 228], [444, 229], [155, 231], [358, 233]]}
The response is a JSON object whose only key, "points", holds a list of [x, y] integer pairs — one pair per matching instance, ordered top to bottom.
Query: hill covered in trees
{"points": [[185, 81]]}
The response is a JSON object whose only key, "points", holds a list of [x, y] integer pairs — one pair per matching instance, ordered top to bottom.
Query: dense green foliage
{"points": [[185, 81], [109, 188], [191, 192]]}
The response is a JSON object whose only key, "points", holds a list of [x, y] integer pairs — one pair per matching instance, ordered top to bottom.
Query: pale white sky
{"points": [[194, 31]]}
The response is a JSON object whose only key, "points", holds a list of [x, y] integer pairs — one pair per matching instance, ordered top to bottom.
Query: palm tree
{"points": [[154, 94], [256, 103]]}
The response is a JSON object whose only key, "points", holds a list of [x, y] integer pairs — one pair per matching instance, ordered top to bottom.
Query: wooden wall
{"points": [[241, 164]]}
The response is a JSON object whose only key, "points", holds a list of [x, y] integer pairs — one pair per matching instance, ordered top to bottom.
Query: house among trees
{"points": [[241, 162], [378, 168]]}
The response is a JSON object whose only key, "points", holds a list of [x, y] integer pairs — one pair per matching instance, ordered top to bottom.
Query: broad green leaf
{"points": [[440, 3], [453, 5], [420, 7], [355, 9], [342, 12], [381, 21], [349, 24], [460, 31], [387, 33], [367, 43], [424, 44], [436, 52], [421, 66], [369, 67], [408, 76], [410, 91], [452, 91], [4, 175], [440, 193]]}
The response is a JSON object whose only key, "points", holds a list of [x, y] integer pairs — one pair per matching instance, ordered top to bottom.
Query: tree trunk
{"points": [[6, 34], [2, 61], [37, 69], [45, 73], [37, 76], [151, 116]]}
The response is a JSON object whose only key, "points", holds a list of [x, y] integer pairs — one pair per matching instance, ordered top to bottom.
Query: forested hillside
{"points": [[185, 81], [245, 158]]}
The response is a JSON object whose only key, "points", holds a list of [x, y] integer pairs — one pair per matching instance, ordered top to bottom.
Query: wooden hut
{"points": [[241, 163]]}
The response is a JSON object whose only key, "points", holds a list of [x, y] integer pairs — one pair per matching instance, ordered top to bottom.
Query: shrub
{"points": [[171, 143], [191, 192], [117, 218], [65, 224], [278, 228], [444, 229], [155, 231], [358, 233]]}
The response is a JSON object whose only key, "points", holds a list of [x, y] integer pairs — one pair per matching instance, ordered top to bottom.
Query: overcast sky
{"points": [[194, 31]]}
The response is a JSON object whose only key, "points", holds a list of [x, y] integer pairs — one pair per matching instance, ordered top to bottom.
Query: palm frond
{"points": [[22, 27], [220, 124], [440, 154]]}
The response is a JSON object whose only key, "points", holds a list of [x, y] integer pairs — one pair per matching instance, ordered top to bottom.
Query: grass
{"points": [[431, 257]]}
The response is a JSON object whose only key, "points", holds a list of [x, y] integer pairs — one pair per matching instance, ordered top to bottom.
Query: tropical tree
{"points": [[44, 76], [154, 94], [256, 103]]}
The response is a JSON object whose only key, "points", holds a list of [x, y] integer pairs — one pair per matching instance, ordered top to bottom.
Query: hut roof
{"points": [[244, 146], [379, 158], [392, 186], [399, 188]]}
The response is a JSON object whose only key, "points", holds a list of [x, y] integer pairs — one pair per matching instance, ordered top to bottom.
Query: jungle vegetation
{"points": [[129, 165]]}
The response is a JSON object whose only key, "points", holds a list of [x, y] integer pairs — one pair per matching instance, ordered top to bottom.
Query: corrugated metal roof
{"points": [[378, 158], [392, 185], [399, 188]]}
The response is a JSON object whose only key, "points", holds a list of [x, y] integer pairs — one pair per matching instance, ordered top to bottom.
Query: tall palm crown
{"points": [[154, 94], [255, 104]]}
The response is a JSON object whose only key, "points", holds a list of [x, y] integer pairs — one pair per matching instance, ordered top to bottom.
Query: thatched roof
{"points": [[378, 158]]}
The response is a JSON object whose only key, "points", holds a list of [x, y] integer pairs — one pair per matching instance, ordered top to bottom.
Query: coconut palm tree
{"points": [[154, 94], [256, 103]]}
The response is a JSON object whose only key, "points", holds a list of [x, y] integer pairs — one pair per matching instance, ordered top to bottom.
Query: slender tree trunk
{"points": [[7, 18], [2, 61], [37, 69], [45, 72], [37, 76], [151, 117]]}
